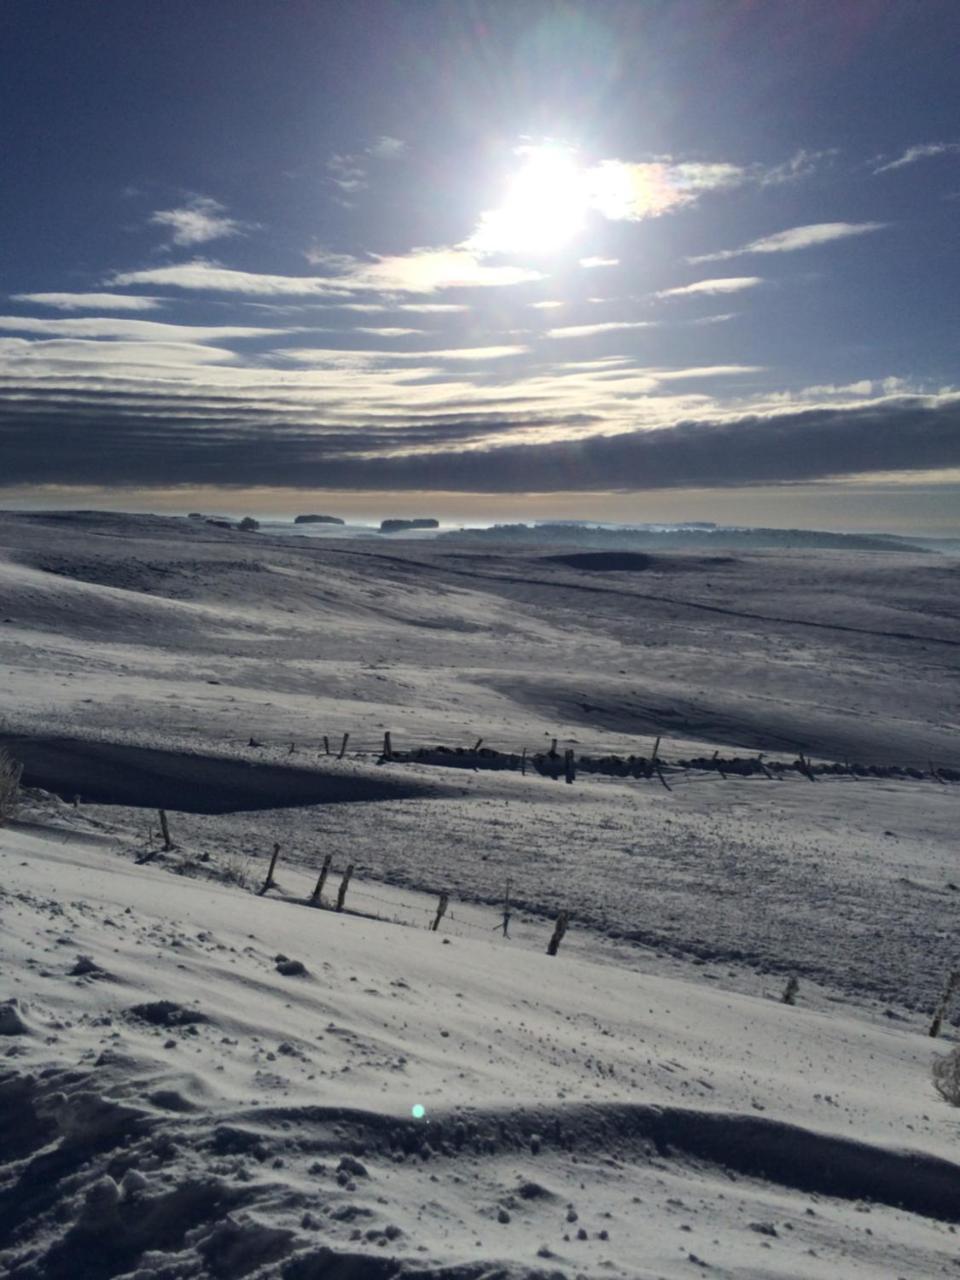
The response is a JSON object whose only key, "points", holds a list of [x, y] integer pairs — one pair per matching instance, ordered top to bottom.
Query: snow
{"points": [[197, 1080]]}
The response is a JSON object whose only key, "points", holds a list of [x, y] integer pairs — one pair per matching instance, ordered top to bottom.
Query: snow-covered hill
{"points": [[175, 1104]]}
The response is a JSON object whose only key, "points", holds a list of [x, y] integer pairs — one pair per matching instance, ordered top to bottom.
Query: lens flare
{"points": [[418, 1111]]}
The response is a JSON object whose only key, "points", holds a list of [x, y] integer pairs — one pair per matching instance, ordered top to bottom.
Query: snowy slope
{"points": [[579, 1118]]}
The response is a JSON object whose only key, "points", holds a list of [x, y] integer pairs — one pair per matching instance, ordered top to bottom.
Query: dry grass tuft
{"points": [[10, 771], [946, 1076]]}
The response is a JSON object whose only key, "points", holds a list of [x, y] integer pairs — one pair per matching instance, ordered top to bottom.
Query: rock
{"points": [[291, 968], [167, 1013], [11, 1021], [353, 1167], [133, 1182], [100, 1202]]}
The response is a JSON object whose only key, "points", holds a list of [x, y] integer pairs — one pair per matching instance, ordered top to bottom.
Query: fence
{"points": [[600, 759], [335, 886]]}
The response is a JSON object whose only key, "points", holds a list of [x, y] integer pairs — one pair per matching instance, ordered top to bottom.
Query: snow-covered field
{"points": [[459, 1104]]}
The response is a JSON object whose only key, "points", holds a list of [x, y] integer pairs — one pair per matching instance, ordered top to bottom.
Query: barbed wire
{"points": [[401, 909]]}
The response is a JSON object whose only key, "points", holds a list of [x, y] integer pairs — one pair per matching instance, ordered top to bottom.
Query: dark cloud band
{"points": [[127, 441]]}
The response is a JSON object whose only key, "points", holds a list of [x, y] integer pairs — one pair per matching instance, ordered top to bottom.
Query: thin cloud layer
{"points": [[922, 151], [793, 239], [419, 271], [723, 284], [89, 301], [144, 330], [589, 330]]}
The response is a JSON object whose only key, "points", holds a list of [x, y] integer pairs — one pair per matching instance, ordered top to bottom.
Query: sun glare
{"points": [[544, 207]]}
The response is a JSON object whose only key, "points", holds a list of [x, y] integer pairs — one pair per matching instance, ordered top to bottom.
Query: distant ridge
{"points": [[401, 526], [686, 537]]}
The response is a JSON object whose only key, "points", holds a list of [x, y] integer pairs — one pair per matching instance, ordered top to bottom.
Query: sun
{"points": [[544, 206]]}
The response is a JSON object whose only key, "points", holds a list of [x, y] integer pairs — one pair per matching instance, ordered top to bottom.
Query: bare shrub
{"points": [[10, 771], [236, 869], [946, 1076]]}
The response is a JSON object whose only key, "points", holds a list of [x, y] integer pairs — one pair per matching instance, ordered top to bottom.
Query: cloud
{"points": [[386, 148], [922, 151], [802, 164], [348, 170], [347, 173], [630, 190], [549, 197], [199, 220], [794, 238], [599, 262], [426, 270], [419, 271], [210, 276], [724, 284], [89, 301], [425, 308], [433, 308], [718, 319], [131, 330], [588, 330], [386, 331], [309, 355], [45, 357], [706, 371], [118, 438]]}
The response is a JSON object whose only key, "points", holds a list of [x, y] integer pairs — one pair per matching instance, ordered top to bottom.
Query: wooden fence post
{"points": [[478, 744], [326, 745], [343, 746], [387, 747], [656, 748], [523, 762], [718, 764], [569, 767], [764, 767], [165, 831], [321, 879], [269, 882], [344, 885], [441, 909], [506, 911], [559, 929], [953, 982]]}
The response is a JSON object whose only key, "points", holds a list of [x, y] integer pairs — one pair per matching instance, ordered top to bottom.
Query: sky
{"points": [[656, 260]]}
